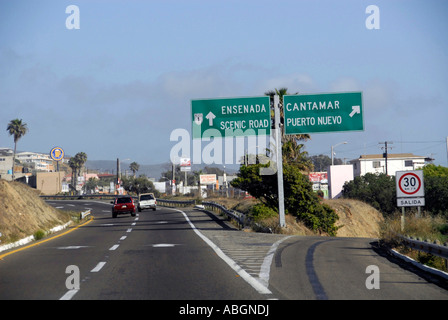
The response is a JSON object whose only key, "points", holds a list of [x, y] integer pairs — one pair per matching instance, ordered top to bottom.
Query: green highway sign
{"points": [[325, 112], [231, 117]]}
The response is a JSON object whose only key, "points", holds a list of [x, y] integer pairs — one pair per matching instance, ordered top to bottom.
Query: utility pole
{"points": [[278, 145], [447, 149], [385, 151], [118, 171], [173, 185]]}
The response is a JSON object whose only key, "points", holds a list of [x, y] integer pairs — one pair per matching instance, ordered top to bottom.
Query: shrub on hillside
{"points": [[299, 198]]}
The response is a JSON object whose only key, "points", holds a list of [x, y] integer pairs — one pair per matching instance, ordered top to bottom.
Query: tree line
{"points": [[379, 190]]}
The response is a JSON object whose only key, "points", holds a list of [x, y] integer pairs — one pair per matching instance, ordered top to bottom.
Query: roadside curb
{"points": [[29, 239], [417, 264]]}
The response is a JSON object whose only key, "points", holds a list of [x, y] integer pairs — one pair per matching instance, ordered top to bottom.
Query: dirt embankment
{"points": [[22, 212], [356, 218]]}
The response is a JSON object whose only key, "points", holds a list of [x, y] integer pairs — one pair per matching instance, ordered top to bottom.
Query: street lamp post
{"points": [[332, 152]]}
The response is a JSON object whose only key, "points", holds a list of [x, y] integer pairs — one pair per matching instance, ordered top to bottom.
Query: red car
{"points": [[123, 205]]}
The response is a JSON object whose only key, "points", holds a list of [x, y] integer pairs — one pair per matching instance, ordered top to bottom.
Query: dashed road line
{"points": [[98, 267], [69, 294]]}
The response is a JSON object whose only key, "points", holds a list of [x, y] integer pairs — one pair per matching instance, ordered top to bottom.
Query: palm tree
{"points": [[18, 129], [292, 153], [80, 159], [76, 163], [74, 166], [134, 166]]}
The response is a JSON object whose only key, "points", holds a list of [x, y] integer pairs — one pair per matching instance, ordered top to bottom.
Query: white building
{"points": [[6, 156], [38, 161], [376, 163], [337, 177]]}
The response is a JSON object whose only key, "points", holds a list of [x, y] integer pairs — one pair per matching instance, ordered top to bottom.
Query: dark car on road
{"points": [[123, 205]]}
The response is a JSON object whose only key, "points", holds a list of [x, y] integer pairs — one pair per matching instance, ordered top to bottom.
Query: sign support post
{"points": [[278, 145], [410, 191]]}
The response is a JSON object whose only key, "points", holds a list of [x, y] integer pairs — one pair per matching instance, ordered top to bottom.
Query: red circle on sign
{"points": [[410, 174]]}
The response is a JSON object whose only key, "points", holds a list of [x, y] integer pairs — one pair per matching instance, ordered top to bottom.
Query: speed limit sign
{"points": [[410, 184]]}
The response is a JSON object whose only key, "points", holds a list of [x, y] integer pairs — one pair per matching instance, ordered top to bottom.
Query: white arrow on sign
{"points": [[355, 109], [210, 116]]}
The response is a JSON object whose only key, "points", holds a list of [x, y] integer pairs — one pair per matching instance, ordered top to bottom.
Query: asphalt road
{"points": [[184, 254]]}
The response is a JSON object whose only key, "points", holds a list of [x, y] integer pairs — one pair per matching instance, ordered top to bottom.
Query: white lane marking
{"points": [[71, 205], [60, 207], [133, 224], [129, 230], [123, 237], [163, 245], [71, 247], [114, 247], [266, 266], [98, 267], [257, 285], [69, 294]]}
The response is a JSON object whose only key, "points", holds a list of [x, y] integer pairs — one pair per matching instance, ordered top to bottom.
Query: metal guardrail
{"points": [[81, 197], [175, 203], [239, 217], [426, 246]]}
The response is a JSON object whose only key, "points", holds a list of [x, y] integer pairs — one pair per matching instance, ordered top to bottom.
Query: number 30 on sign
{"points": [[409, 184]]}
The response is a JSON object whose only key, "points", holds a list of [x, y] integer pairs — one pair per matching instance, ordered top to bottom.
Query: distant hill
{"points": [[149, 170]]}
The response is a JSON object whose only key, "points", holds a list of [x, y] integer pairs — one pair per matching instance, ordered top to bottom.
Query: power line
{"points": [[438, 141]]}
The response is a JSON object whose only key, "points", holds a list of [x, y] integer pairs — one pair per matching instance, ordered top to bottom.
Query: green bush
{"points": [[436, 189], [378, 190], [299, 198], [260, 212], [39, 234]]}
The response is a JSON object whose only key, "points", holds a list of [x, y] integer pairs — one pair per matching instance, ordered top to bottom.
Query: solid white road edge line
{"points": [[266, 266], [257, 285]]}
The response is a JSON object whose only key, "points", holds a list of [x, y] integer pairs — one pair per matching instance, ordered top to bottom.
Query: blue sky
{"points": [[118, 86]]}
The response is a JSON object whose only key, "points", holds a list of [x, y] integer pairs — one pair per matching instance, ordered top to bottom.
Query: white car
{"points": [[147, 201]]}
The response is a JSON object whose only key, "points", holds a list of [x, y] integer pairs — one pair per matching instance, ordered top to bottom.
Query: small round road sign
{"points": [[57, 154], [410, 183]]}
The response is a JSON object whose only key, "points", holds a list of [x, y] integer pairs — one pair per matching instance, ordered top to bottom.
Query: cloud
{"points": [[345, 84]]}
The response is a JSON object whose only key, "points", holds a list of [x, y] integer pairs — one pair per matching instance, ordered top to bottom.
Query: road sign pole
{"points": [[278, 145], [402, 219]]}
